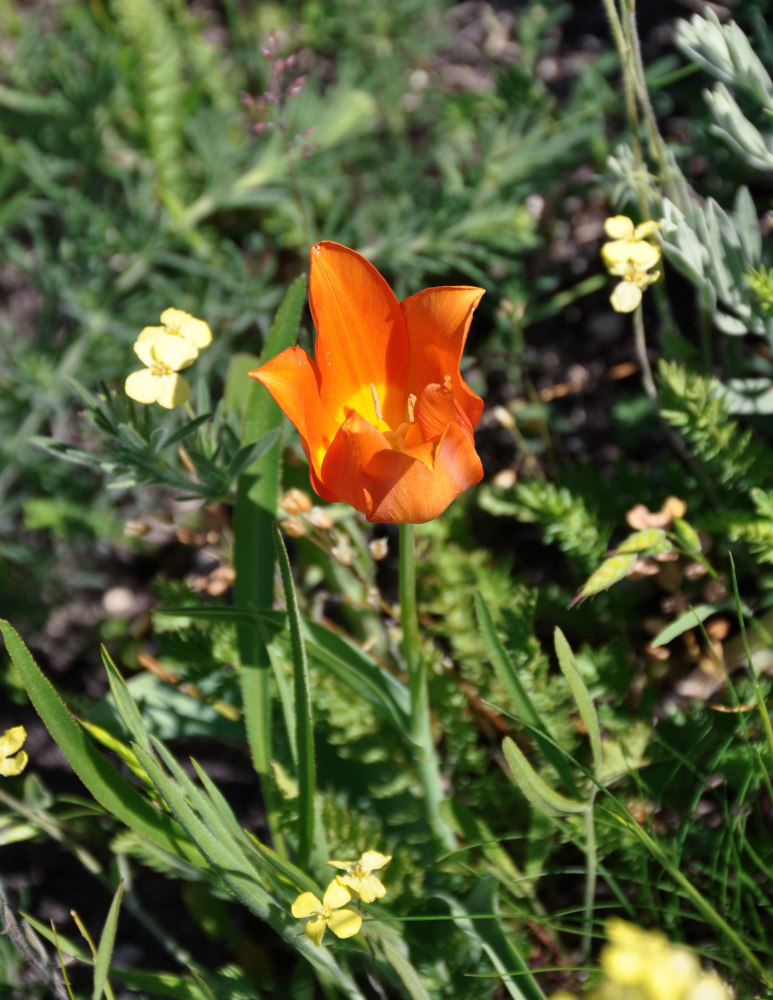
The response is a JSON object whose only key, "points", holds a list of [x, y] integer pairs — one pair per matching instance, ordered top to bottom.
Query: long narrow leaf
{"points": [[256, 503], [508, 677], [581, 695], [124, 703], [535, 788], [111, 791], [309, 832], [106, 945]]}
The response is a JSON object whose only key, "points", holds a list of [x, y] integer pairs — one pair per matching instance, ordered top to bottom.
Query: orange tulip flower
{"points": [[384, 416]]}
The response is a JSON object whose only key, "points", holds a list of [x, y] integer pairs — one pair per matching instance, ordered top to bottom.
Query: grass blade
{"points": [[106, 944]]}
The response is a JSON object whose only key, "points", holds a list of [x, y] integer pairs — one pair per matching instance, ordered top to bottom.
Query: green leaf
{"points": [[256, 503], [690, 619], [508, 676], [364, 678], [581, 695], [124, 703], [535, 788], [111, 791], [310, 833], [106, 945], [505, 958], [408, 975]]}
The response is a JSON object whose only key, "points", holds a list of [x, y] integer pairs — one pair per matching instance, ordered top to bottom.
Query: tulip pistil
{"points": [[376, 403], [411, 408]]}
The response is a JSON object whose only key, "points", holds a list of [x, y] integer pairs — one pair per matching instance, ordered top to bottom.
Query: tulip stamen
{"points": [[376, 403], [411, 408]]}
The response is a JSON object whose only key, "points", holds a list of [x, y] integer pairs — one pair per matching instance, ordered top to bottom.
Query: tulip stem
{"points": [[416, 664]]}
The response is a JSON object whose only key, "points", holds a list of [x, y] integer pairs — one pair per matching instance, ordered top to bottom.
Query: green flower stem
{"points": [[640, 345], [416, 665]]}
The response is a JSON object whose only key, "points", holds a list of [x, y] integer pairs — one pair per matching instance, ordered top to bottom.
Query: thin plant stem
{"points": [[616, 25], [657, 146], [640, 346], [416, 665]]}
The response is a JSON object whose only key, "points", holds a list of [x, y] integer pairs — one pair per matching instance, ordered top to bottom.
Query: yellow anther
{"points": [[411, 408]]}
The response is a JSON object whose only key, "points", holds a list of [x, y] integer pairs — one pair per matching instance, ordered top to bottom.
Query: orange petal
{"points": [[438, 320], [361, 335], [292, 379], [436, 409], [342, 471], [403, 490]]}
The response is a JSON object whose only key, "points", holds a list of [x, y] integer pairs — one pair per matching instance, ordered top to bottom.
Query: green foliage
{"points": [[734, 459], [564, 518], [567, 769]]}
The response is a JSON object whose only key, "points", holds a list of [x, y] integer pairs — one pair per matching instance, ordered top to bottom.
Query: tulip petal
{"points": [[438, 320], [361, 336], [292, 378], [436, 409], [342, 470], [403, 490], [344, 923]]}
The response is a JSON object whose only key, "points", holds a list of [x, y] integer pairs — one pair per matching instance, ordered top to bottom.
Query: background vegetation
{"points": [[156, 154]]}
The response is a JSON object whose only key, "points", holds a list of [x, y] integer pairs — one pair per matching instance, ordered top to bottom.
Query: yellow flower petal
{"points": [[619, 227], [645, 229], [644, 255], [625, 297], [188, 327], [143, 345], [174, 352], [142, 386], [173, 390], [12, 740], [12, 766], [373, 860], [341, 864], [369, 888], [336, 895], [305, 905], [344, 923], [315, 929]]}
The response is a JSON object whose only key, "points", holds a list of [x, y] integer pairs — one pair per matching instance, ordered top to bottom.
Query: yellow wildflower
{"points": [[631, 257], [165, 351], [164, 355], [10, 743], [358, 875], [327, 912], [660, 970]]}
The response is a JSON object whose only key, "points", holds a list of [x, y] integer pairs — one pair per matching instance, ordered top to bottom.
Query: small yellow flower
{"points": [[631, 257], [165, 351], [164, 356], [10, 743], [358, 875], [327, 913], [661, 971]]}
